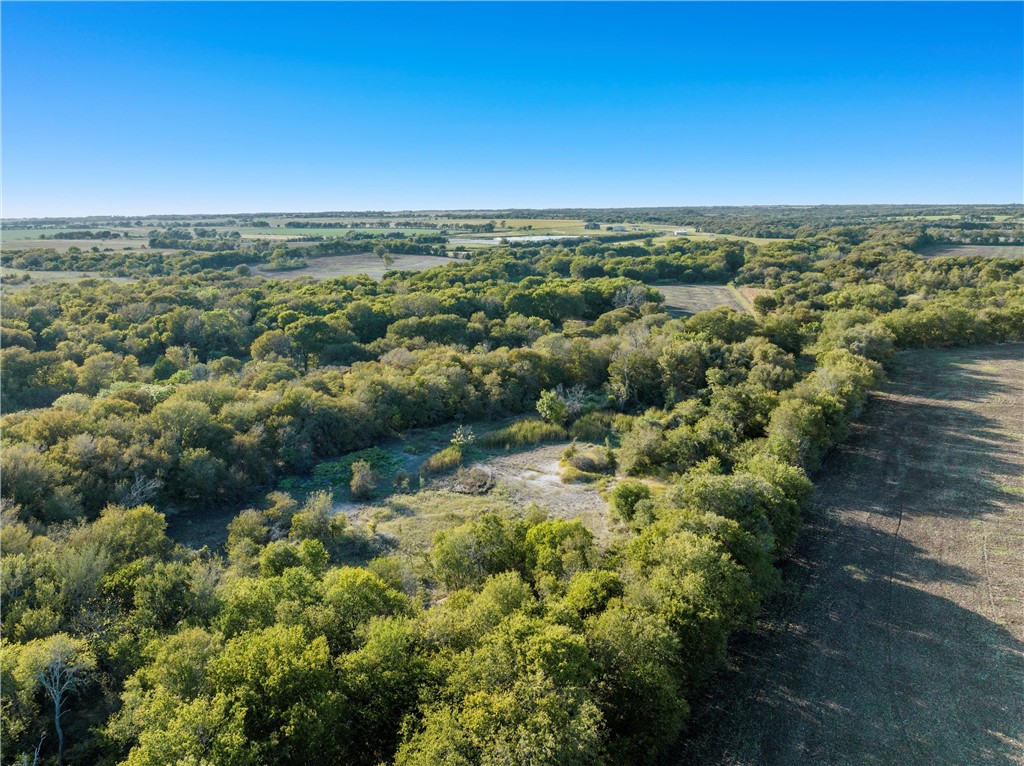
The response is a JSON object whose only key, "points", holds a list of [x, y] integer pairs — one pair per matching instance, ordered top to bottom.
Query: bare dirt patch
{"points": [[534, 476], [900, 639]]}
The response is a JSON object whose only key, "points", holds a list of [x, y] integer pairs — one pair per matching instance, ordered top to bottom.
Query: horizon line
{"points": [[510, 209]]}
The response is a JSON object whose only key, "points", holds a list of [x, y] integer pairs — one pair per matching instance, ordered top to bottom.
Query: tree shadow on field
{"points": [[957, 374], [878, 651], [860, 666], [852, 681]]}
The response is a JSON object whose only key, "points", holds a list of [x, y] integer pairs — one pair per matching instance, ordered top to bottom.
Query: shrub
{"points": [[552, 407], [622, 423], [592, 427], [529, 432], [463, 435], [643, 448], [590, 461], [442, 462], [572, 475], [364, 480], [473, 481], [625, 497]]}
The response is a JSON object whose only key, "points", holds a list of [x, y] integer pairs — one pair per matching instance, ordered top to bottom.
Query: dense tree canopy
{"points": [[514, 639]]}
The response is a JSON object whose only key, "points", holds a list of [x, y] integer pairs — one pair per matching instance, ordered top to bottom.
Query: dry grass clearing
{"points": [[979, 251], [360, 263], [49, 277], [691, 299], [410, 521], [901, 638]]}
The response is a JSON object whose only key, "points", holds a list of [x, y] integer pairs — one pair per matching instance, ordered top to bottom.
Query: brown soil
{"points": [[900, 640]]}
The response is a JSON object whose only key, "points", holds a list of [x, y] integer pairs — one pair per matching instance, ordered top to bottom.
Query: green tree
{"points": [[552, 408], [624, 497]]}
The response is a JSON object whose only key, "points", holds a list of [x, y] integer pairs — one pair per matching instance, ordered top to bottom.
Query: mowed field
{"points": [[980, 251], [359, 263], [683, 300], [900, 639]]}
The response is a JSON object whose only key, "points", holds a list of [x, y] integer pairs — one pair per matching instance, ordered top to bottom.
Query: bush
{"points": [[552, 408], [592, 427], [529, 432], [643, 449], [590, 461], [442, 462], [572, 475], [364, 480], [473, 481], [625, 497]]}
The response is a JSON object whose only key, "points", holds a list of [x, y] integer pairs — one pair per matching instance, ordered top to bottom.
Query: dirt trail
{"points": [[901, 639]]}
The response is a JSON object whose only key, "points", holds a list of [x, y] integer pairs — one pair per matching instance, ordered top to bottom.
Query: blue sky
{"points": [[205, 107]]}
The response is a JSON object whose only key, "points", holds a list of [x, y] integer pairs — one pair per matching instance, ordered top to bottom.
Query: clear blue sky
{"points": [[200, 107]]}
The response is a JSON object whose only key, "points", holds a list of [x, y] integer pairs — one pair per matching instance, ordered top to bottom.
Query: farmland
{"points": [[464, 232], [22, 240], [976, 251], [360, 263], [13, 281], [691, 299], [901, 639]]}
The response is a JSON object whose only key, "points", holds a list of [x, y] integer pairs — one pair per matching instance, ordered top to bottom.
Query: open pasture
{"points": [[289, 232], [28, 239], [976, 251], [359, 263], [47, 278], [684, 300]]}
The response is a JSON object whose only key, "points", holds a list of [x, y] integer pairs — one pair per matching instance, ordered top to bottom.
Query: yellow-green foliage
{"points": [[592, 427], [528, 432], [443, 461], [584, 466], [572, 475]]}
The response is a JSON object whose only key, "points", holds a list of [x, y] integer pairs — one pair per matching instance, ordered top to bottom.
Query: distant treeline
{"points": [[83, 234]]}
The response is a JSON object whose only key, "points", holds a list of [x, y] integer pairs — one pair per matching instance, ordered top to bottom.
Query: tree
{"points": [[382, 253], [631, 296], [552, 408], [59, 665]]}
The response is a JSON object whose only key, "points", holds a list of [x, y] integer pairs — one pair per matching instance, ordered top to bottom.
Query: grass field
{"points": [[282, 232], [137, 236], [61, 245], [982, 251], [359, 263], [49, 277], [683, 300], [900, 639]]}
